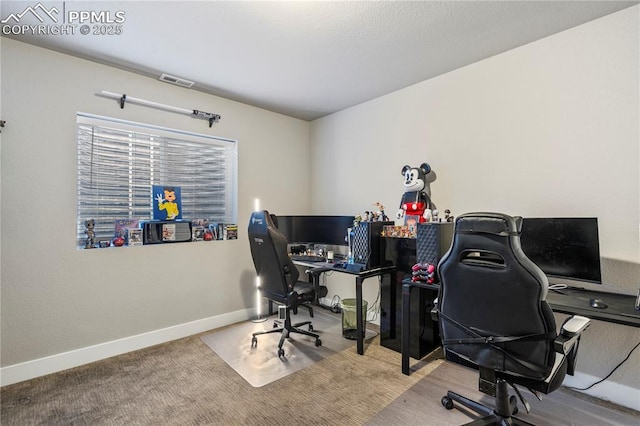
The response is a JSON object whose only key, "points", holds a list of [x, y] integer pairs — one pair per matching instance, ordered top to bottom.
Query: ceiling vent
{"points": [[176, 80]]}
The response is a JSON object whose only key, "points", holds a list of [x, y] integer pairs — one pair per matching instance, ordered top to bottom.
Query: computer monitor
{"points": [[330, 230], [563, 247]]}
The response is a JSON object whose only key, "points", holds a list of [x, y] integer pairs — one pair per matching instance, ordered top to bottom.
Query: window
{"points": [[120, 161]]}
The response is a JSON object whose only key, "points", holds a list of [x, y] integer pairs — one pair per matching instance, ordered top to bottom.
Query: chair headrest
{"points": [[260, 221], [488, 223]]}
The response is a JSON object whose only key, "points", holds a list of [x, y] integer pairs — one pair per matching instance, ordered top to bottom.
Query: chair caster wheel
{"points": [[275, 324], [310, 327], [254, 341], [318, 342], [280, 353], [447, 402]]}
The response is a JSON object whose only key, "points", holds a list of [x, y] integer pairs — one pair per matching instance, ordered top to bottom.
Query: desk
{"points": [[321, 267], [575, 301]]}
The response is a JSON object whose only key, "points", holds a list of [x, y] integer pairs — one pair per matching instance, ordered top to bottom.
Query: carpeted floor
{"points": [[260, 364], [185, 383]]}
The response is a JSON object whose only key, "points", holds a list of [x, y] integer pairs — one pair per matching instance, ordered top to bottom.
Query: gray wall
{"points": [[548, 129], [56, 298]]}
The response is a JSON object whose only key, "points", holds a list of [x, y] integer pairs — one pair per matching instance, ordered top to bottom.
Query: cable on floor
{"points": [[375, 306], [608, 375]]}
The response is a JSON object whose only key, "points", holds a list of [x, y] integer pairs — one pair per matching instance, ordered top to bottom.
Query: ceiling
{"points": [[305, 59]]}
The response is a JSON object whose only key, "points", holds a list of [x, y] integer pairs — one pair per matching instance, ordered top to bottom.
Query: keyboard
{"points": [[308, 258], [351, 267]]}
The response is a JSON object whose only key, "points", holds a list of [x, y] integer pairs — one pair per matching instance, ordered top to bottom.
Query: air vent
{"points": [[176, 80]]}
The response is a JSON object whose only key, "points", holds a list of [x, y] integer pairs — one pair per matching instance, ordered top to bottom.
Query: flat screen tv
{"points": [[330, 230], [563, 247]]}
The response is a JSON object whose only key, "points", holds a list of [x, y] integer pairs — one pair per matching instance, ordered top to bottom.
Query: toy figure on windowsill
{"points": [[416, 204], [89, 226], [118, 240]]}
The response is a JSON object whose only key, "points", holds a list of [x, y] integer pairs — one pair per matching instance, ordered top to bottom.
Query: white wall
{"points": [[548, 129], [57, 299]]}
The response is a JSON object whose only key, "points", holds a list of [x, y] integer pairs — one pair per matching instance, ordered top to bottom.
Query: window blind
{"points": [[119, 162]]}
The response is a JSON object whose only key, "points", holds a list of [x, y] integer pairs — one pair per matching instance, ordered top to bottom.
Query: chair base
{"points": [[287, 329], [503, 414]]}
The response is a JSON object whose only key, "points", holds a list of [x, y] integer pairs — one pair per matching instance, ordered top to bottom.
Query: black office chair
{"points": [[278, 277], [493, 316]]}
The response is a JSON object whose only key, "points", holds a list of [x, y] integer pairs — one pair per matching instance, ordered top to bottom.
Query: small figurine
{"points": [[415, 201], [380, 214], [435, 214], [427, 215], [367, 216], [447, 216], [89, 226], [118, 241]]}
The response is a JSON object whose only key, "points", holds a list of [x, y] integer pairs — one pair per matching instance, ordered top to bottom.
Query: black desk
{"points": [[360, 277], [575, 301]]}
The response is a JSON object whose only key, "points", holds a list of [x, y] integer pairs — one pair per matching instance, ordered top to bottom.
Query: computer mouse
{"points": [[597, 303]]}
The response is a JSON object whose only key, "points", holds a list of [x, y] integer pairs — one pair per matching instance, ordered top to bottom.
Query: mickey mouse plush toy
{"points": [[415, 201]]}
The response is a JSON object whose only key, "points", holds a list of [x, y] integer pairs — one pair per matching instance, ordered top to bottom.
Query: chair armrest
{"points": [[574, 325], [570, 333]]}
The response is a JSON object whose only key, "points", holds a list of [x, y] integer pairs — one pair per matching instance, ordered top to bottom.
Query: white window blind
{"points": [[119, 162]]}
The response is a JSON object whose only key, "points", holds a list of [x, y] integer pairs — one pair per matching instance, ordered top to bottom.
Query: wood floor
{"points": [[421, 404]]}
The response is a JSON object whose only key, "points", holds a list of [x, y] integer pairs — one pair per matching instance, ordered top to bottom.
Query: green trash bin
{"points": [[350, 318]]}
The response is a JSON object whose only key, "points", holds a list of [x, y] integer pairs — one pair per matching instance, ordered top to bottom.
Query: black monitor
{"points": [[330, 230], [563, 247]]}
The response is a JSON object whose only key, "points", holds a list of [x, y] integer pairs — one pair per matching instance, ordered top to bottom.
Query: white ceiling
{"points": [[301, 58]]}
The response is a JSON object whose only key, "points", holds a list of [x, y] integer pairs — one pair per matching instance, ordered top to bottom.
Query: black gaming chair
{"points": [[278, 277], [493, 316]]}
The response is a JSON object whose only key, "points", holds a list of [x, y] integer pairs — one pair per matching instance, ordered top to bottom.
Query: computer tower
{"points": [[432, 241], [365, 243]]}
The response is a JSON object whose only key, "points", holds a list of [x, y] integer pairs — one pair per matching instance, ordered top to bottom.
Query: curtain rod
{"points": [[213, 118]]}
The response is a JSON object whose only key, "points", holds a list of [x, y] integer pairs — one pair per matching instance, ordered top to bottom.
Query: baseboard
{"points": [[63, 361], [607, 390]]}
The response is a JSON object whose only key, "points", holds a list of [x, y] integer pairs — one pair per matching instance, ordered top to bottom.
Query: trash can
{"points": [[350, 318]]}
